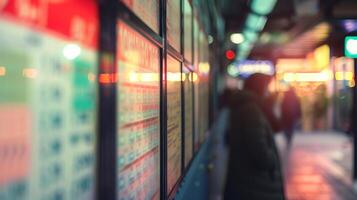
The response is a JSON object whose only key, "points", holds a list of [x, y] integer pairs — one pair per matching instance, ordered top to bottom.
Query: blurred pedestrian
{"points": [[320, 107], [291, 113], [254, 171]]}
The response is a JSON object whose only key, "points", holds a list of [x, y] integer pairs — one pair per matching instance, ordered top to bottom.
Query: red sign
{"points": [[76, 20]]}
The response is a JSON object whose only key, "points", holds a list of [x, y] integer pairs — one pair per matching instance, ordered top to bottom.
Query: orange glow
{"points": [[322, 57], [290, 65], [204, 68], [2, 71], [29, 72], [340, 76], [143, 77], [173, 77], [183, 77], [194, 77], [308, 77], [108, 78], [351, 83]]}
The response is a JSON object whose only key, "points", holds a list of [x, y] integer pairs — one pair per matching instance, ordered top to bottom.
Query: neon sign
{"points": [[249, 67]]}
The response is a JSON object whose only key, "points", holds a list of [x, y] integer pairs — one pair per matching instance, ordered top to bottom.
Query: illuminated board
{"points": [[148, 11], [187, 15], [174, 23], [196, 43], [248, 67], [204, 87], [188, 89], [48, 98], [197, 115], [138, 119], [173, 121]]}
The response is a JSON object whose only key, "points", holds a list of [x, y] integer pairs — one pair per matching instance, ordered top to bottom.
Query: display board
{"points": [[148, 11], [187, 17], [174, 23], [196, 44], [203, 87], [48, 95], [197, 115], [138, 118], [188, 130], [174, 137]]}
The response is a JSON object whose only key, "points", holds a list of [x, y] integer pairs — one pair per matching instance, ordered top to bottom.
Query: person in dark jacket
{"points": [[291, 113], [254, 171]]}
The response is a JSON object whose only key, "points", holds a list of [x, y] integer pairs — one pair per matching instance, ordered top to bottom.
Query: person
{"points": [[320, 107], [291, 113], [253, 171]]}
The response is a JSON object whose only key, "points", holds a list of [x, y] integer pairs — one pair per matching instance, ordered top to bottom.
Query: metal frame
{"points": [[110, 12], [106, 146]]}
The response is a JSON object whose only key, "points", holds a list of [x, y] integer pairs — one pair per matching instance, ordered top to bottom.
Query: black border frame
{"points": [[111, 11]]}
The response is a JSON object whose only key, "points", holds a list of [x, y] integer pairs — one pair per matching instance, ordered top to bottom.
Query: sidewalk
{"points": [[318, 166]]}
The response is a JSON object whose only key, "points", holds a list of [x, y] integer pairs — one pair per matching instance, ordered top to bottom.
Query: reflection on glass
{"points": [[148, 11], [174, 23], [187, 30], [188, 89], [138, 119], [173, 121]]}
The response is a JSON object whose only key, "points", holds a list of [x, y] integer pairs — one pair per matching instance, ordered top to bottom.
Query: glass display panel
{"points": [[146, 10], [187, 17], [174, 23], [196, 45], [203, 68], [188, 91], [48, 99], [197, 114], [138, 119], [174, 140]]}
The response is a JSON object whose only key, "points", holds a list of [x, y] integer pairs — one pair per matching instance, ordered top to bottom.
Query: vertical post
{"points": [[163, 103], [354, 126], [106, 147]]}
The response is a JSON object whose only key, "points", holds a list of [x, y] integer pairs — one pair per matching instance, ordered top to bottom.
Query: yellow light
{"points": [[322, 56], [290, 65], [204, 68], [2, 71], [29, 72], [340, 76], [349, 76], [133, 77], [143, 77], [149, 77], [173, 77], [183, 77], [194, 77], [289, 77], [308, 77], [351, 83]]}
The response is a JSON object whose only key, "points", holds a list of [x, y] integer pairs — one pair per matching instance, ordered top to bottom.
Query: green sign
{"points": [[351, 46]]}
